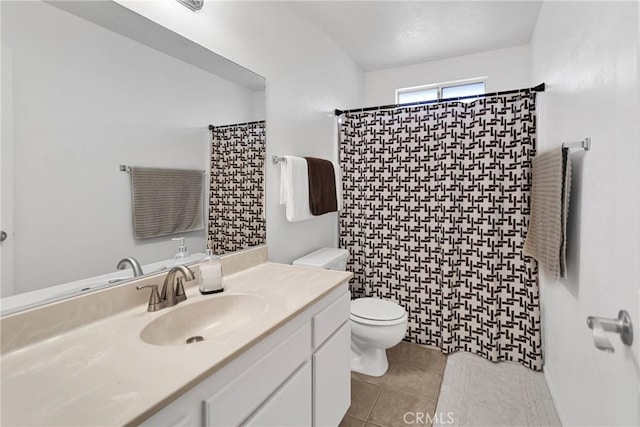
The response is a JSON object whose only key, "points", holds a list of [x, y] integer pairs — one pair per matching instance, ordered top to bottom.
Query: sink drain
{"points": [[197, 338]]}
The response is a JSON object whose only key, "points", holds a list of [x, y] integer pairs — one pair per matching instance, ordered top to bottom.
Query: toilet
{"points": [[376, 324]]}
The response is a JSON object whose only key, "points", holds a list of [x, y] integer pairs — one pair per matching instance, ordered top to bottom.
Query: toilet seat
{"points": [[376, 311]]}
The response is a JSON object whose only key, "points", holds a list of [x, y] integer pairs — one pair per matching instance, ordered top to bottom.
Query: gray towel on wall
{"points": [[166, 201], [546, 239]]}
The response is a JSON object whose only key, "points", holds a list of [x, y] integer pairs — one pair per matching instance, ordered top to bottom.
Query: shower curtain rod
{"points": [[539, 88], [211, 127]]}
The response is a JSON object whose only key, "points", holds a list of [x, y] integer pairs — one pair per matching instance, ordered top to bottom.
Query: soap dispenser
{"points": [[182, 255], [211, 274]]}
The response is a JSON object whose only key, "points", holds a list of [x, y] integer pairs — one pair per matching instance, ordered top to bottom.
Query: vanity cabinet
{"points": [[331, 363], [299, 375], [331, 381], [290, 406]]}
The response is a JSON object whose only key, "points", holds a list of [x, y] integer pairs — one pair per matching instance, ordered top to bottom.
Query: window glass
{"points": [[463, 90], [441, 91], [418, 95]]}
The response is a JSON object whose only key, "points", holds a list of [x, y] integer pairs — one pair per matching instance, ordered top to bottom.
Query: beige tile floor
{"points": [[410, 386], [474, 391]]}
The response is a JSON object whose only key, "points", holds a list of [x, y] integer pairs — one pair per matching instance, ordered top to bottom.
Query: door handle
{"points": [[3, 236]]}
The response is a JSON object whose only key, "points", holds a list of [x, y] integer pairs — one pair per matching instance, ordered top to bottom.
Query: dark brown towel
{"points": [[322, 186]]}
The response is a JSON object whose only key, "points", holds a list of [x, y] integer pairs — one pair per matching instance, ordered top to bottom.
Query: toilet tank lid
{"points": [[322, 257], [376, 309]]}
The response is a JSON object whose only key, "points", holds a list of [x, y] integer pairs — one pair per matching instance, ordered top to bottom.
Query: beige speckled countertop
{"points": [[102, 373]]}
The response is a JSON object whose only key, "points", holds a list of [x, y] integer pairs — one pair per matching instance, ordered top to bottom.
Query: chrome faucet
{"points": [[130, 261], [173, 293], [154, 299]]}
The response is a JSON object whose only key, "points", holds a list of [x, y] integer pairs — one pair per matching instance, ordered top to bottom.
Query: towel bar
{"points": [[585, 144], [278, 159], [125, 168]]}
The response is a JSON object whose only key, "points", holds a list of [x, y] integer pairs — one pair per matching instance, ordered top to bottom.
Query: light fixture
{"points": [[193, 4]]}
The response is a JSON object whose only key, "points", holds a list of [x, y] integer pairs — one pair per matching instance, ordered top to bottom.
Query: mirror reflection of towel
{"points": [[166, 201]]}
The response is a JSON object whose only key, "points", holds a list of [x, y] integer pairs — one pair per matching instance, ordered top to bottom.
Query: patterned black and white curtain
{"points": [[236, 198], [435, 215]]}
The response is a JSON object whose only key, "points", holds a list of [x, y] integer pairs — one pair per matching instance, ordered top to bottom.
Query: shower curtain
{"points": [[236, 197], [436, 209]]}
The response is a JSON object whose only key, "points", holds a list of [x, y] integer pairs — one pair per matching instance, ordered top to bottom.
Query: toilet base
{"points": [[372, 362]]}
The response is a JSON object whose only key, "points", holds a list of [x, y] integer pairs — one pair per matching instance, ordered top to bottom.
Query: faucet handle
{"points": [[180, 294], [155, 303]]}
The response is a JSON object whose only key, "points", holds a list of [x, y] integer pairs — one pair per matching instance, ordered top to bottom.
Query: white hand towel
{"points": [[294, 188]]}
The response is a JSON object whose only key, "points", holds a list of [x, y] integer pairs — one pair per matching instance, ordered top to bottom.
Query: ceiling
{"points": [[121, 20], [388, 34]]}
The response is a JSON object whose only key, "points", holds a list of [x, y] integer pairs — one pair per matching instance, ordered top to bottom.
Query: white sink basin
{"points": [[203, 320]]}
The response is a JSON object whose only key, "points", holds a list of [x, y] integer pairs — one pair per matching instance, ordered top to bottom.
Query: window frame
{"points": [[440, 86]]}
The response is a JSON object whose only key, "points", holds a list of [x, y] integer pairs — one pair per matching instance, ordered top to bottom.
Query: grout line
{"points": [[423, 346], [391, 365], [423, 369], [439, 374], [383, 385], [415, 395], [374, 404], [355, 418]]}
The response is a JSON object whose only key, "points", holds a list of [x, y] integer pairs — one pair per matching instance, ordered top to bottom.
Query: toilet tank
{"points": [[329, 258]]}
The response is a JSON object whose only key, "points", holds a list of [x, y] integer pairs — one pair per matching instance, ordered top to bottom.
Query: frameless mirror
{"points": [[87, 87]]}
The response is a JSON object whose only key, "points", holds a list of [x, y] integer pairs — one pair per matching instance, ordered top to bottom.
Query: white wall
{"points": [[587, 53], [506, 69], [308, 76], [84, 101]]}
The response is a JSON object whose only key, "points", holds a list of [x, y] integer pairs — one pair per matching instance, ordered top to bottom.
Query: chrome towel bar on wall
{"points": [[585, 144], [622, 326]]}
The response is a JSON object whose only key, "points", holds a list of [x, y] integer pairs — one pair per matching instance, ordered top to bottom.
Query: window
{"points": [[469, 89], [440, 91], [418, 95]]}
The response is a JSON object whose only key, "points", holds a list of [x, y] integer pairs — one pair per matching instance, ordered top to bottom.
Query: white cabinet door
{"points": [[332, 378], [244, 395], [290, 406]]}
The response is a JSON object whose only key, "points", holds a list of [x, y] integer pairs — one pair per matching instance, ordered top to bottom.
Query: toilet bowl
{"points": [[376, 324]]}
